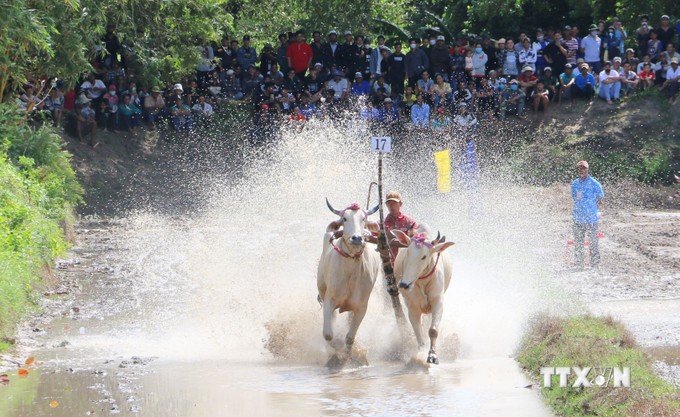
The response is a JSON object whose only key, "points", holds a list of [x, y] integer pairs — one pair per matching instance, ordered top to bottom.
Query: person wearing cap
{"points": [[665, 32], [611, 43], [590, 47], [330, 50], [246, 54], [299, 55], [629, 56], [344, 57], [439, 58], [415, 62], [567, 79], [527, 80], [550, 82], [672, 83], [584, 84], [339, 85], [610, 85], [231, 86], [360, 87], [512, 100], [154, 106], [389, 114], [86, 121], [441, 122], [587, 195], [396, 220]]}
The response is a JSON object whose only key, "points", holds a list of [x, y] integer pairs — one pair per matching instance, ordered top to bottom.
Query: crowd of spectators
{"points": [[430, 83]]}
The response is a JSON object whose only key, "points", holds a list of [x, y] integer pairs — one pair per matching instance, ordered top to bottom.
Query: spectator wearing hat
{"points": [[665, 32], [642, 35], [611, 43], [590, 47], [330, 50], [246, 54], [556, 54], [299, 55], [345, 55], [629, 56], [440, 57], [415, 62], [567, 79], [527, 80], [550, 82], [672, 83], [584, 84], [339, 85], [610, 85], [231, 86], [360, 87], [540, 98], [512, 100], [154, 106], [420, 113], [389, 114], [181, 116], [86, 122], [441, 123], [587, 194]]}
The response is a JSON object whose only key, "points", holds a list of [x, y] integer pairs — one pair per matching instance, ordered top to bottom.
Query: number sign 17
{"points": [[381, 144]]}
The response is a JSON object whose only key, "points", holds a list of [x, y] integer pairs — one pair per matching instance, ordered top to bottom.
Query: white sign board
{"points": [[381, 144]]}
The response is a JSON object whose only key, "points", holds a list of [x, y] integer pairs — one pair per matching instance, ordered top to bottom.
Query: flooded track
{"points": [[215, 312]]}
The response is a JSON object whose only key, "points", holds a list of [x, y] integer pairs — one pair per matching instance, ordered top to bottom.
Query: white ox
{"points": [[347, 271], [424, 274]]}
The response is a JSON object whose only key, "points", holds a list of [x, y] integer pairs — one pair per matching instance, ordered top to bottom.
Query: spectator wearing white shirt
{"points": [[590, 48], [672, 84], [339, 85], [610, 85], [93, 88]]}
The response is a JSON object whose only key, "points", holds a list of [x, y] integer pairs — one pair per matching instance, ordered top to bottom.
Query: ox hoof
{"points": [[433, 359], [336, 362]]}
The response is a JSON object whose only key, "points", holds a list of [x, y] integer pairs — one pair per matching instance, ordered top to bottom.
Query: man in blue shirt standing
{"points": [[587, 194]]}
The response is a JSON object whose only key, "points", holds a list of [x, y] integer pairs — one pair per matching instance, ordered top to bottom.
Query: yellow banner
{"points": [[443, 161]]}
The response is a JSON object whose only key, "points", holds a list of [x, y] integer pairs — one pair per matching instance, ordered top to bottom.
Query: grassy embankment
{"points": [[638, 139], [38, 190], [598, 342]]}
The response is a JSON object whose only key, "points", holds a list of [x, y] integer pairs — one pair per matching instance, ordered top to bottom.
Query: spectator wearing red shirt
{"points": [[299, 55], [396, 220]]}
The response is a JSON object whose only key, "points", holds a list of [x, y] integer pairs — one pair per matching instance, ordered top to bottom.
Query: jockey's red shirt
{"points": [[401, 222]]}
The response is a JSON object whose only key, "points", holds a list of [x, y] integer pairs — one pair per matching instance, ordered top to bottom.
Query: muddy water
{"points": [[215, 312]]}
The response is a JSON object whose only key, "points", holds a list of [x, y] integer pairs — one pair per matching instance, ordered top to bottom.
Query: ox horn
{"points": [[373, 210], [338, 212], [434, 242]]}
